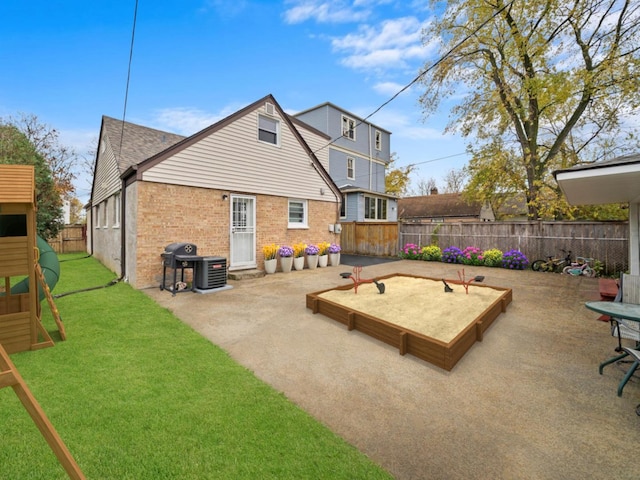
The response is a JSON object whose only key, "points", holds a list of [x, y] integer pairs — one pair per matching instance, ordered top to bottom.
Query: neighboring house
{"points": [[358, 153], [248, 180], [613, 181], [440, 208]]}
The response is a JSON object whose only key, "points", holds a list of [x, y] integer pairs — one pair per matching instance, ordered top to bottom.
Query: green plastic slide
{"points": [[50, 266]]}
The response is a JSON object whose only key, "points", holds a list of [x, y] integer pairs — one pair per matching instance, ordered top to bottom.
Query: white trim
{"points": [[277, 132], [353, 168], [305, 214]]}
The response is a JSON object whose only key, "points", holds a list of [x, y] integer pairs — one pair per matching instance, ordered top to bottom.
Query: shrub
{"points": [[411, 251], [431, 253], [452, 255], [472, 256], [492, 257], [515, 260]]}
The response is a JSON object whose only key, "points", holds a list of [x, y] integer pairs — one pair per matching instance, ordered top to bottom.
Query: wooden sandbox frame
{"points": [[442, 354]]}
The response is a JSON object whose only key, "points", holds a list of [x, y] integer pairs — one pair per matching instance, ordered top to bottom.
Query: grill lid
{"points": [[181, 249]]}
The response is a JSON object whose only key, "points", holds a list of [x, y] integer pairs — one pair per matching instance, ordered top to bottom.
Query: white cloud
{"points": [[331, 11], [394, 44], [389, 88], [187, 121]]}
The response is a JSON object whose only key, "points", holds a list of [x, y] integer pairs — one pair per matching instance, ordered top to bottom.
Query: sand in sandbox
{"points": [[419, 304]]}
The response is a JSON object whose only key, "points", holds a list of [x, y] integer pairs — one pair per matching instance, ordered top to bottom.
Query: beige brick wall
{"points": [[173, 213]]}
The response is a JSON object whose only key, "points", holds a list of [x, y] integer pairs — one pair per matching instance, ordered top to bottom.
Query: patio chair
{"points": [[629, 292]]}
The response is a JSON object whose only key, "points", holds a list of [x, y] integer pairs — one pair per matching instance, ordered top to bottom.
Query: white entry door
{"points": [[243, 232]]}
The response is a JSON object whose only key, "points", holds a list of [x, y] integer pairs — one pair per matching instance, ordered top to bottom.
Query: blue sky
{"points": [[197, 61]]}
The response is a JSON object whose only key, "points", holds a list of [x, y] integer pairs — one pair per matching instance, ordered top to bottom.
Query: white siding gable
{"points": [[232, 158], [107, 176]]}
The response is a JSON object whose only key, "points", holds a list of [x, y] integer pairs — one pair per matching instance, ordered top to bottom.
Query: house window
{"points": [[348, 127], [268, 130], [378, 140], [351, 171], [343, 206], [375, 208], [116, 210], [297, 213], [105, 214], [96, 217]]}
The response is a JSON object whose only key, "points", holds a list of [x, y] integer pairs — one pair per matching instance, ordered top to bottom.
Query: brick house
{"points": [[358, 156], [254, 178]]}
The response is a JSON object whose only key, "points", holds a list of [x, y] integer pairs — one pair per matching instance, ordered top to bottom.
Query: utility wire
{"points": [[424, 72], [126, 92]]}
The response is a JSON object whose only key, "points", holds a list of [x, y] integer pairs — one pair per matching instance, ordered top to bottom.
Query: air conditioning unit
{"points": [[269, 109], [211, 272]]}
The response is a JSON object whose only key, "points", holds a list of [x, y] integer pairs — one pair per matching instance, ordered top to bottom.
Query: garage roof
{"points": [[611, 181]]}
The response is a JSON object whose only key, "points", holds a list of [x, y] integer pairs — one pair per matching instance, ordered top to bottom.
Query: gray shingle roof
{"points": [[139, 142]]}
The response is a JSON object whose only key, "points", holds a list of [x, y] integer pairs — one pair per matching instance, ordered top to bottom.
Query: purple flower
{"points": [[334, 248], [285, 251]]}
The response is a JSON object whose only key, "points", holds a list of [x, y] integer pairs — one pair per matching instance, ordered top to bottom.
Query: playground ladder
{"points": [[52, 305], [10, 377]]}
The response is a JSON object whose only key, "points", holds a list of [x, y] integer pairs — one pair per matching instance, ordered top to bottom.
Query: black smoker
{"points": [[179, 256]]}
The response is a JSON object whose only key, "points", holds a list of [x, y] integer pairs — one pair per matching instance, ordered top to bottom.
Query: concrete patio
{"points": [[526, 403]]}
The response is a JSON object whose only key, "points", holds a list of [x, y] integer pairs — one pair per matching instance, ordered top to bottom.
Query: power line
{"points": [[423, 73], [126, 93]]}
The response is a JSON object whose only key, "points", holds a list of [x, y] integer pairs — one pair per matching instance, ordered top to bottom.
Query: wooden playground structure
{"points": [[20, 310]]}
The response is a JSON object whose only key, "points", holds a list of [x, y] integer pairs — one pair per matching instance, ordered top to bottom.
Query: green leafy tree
{"points": [[544, 84], [16, 149], [397, 179]]}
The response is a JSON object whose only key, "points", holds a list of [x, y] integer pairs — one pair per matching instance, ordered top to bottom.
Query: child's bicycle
{"points": [[552, 264], [582, 266]]}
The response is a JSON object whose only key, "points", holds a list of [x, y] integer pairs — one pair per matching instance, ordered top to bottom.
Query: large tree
{"points": [[543, 84], [16, 149], [62, 160], [396, 179]]}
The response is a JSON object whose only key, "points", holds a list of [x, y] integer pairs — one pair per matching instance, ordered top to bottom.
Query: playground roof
{"points": [[17, 184]]}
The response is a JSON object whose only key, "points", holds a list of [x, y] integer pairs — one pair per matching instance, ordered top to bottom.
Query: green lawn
{"points": [[137, 394]]}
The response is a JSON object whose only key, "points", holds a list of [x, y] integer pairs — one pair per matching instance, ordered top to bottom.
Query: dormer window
{"points": [[348, 127]]}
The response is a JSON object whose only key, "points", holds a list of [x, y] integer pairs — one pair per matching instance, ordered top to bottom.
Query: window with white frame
{"points": [[348, 127], [268, 130], [378, 140], [351, 169], [343, 206], [375, 208], [116, 210], [105, 213], [297, 213], [96, 217]]}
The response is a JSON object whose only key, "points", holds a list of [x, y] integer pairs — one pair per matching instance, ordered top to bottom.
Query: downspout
{"points": [[370, 160], [123, 236]]}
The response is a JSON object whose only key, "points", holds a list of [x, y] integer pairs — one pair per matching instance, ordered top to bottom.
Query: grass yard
{"points": [[137, 394]]}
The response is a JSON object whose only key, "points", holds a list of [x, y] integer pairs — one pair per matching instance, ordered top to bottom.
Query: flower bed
{"points": [[471, 255]]}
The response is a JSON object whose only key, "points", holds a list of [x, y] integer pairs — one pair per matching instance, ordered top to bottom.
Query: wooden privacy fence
{"points": [[369, 238], [71, 239], [607, 242]]}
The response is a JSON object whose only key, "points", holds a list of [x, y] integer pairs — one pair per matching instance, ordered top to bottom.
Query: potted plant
{"points": [[323, 252], [270, 253], [334, 254], [298, 255], [312, 256], [286, 258]]}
